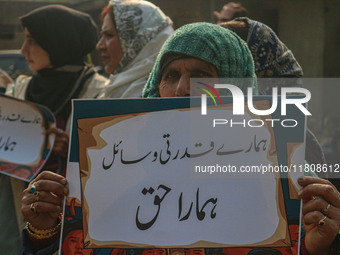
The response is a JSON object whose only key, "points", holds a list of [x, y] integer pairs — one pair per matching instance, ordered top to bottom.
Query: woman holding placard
{"points": [[57, 40], [175, 64], [170, 78]]}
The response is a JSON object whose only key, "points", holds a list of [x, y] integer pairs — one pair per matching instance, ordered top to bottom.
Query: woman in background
{"points": [[131, 36], [57, 40], [273, 59]]}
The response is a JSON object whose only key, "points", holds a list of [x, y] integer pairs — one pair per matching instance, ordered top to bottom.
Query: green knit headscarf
{"points": [[211, 43]]}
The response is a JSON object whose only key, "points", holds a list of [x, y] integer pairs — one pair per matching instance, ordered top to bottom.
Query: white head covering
{"points": [[137, 22], [142, 28]]}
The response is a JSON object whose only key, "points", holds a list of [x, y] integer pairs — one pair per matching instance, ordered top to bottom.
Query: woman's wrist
{"points": [[44, 233], [41, 238], [39, 244]]}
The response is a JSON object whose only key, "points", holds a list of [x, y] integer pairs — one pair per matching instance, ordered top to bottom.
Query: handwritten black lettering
{"points": [[7, 144], [257, 145], [115, 151], [222, 153], [157, 201], [180, 209], [200, 210]]}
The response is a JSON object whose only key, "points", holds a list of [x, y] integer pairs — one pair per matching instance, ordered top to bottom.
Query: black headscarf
{"points": [[67, 36]]}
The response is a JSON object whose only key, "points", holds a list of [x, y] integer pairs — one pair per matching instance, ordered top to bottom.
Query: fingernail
{"points": [[301, 179], [64, 181], [65, 191], [300, 193]]}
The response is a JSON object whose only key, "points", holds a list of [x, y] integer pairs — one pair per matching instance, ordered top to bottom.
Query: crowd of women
{"points": [[144, 58]]}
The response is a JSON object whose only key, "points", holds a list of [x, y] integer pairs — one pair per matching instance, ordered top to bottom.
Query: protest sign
{"points": [[24, 145], [137, 166]]}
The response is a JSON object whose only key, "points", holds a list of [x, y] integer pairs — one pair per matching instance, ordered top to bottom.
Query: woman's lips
{"points": [[105, 59]]}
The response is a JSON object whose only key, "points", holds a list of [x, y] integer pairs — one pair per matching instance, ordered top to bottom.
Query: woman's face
{"points": [[109, 45], [36, 56], [176, 76]]}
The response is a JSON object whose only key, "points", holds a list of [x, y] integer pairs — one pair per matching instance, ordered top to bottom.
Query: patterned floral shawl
{"points": [[137, 23], [271, 56]]}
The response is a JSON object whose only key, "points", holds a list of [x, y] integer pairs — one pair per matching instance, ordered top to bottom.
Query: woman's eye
{"points": [[107, 35], [203, 74], [172, 75]]}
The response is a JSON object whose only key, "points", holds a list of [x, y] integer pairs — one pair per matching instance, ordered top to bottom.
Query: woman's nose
{"points": [[100, 45], [23, 49], [183, 87]]}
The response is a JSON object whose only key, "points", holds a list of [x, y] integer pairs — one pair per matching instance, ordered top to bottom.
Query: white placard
{"points": [[149, 185]]}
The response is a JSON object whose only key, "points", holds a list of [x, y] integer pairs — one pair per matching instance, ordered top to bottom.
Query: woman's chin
{"points": [[109, 69]]}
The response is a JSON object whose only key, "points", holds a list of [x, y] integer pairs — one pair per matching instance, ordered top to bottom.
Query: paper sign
{"points": [[24, 146], [141, 186]]}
